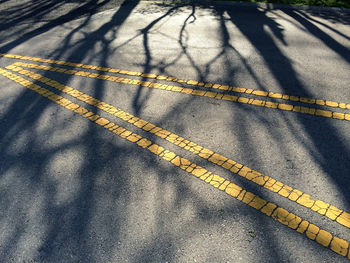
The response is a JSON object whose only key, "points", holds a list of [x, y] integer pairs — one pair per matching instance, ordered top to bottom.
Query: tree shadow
{"points": [[86, 9], [251, 24], [330, 42], [67, 227], [74, 228]]}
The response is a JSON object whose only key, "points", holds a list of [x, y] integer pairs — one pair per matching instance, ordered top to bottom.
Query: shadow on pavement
{"points": [[87, 225]]}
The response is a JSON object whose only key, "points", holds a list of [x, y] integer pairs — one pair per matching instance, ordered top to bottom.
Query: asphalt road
{"points": [[74, 191]]}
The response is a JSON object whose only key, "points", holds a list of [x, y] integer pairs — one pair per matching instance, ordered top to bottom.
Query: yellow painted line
{"points": [[260, 93], [209, 94], [267, 182], [281, 215]]}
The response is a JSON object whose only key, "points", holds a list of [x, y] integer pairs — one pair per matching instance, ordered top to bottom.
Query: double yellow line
{"points": [[197, 92], [269, 183], [295, 195], [270, 209], [321, 236]]}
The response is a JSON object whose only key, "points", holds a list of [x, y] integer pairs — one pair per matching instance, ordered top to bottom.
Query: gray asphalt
{"points": [[70, 191]]}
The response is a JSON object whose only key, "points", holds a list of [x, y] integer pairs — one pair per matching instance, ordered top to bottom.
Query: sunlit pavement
{"points": [[173, 133]]}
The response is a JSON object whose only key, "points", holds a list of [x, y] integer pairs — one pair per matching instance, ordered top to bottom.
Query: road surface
{"points": [[146, 132]]}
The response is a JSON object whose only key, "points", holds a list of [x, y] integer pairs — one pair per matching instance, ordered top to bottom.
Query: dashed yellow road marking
{"points": [[260, 93], [210, 94], [267, 182], [281, 215]]}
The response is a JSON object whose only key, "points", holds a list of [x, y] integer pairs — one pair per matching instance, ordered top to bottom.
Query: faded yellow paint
{"points": [[130, 118], [233, 190], [305, 201], [268, 209], [333, 212], [344, 219], [303, 226], [312, 231], [324, 238], [340, 246]]}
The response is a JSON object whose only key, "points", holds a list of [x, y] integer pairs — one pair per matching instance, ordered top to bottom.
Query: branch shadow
{"points": [[73, 229]]}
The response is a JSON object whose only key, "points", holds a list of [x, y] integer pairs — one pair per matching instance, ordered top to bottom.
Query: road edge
{"points": [[249, 4]]}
